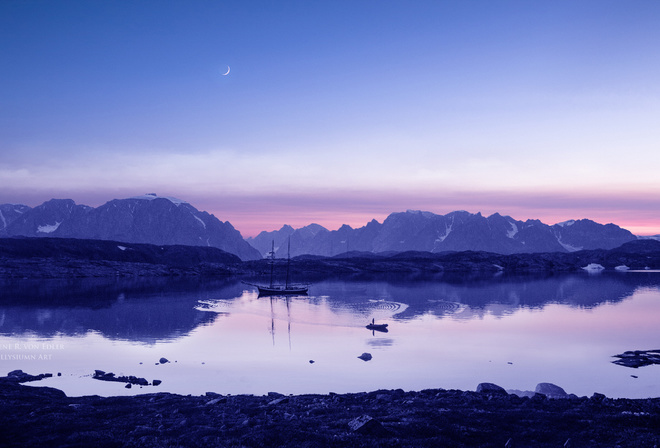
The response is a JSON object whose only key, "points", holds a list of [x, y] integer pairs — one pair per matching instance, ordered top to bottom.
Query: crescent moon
{"points": [[228, 69]]}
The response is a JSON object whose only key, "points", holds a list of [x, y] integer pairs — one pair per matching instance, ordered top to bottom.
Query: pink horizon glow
{"points": [[251, 215], [251, 227]]}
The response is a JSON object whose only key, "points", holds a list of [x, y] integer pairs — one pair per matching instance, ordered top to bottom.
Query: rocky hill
{"points": [[144, 219], [456, 231], [61, 257], [73, 257]]}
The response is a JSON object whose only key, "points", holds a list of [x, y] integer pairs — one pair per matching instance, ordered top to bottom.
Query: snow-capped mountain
{"points": [[142, 219], [159, 220], [456, 231]]}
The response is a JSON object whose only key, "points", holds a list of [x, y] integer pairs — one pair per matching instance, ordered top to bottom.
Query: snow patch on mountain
{"points": [[152, 196], [4, 222], [201, 222], [568, 223], [49, 228], [448, 229], [514, 229], [568, 247]]}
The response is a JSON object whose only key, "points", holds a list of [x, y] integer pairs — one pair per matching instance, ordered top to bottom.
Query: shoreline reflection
{"points": [[220, 336]]}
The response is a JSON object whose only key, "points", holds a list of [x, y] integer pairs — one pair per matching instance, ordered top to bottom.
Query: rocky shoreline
{"points": [[42, 258], [487, 417]]}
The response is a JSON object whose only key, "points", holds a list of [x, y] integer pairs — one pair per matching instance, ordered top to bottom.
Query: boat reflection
{"points": [[152, 310], [222, 336]]}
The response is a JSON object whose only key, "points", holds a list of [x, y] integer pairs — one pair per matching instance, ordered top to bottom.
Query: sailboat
{"points": [[273, 289]]}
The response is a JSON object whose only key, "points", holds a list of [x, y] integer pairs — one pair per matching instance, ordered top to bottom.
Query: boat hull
{"points": [[279, 291], [378, 327]]}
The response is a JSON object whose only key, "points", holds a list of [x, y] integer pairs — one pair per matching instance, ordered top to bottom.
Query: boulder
{"points": [[593, 268], [365, 356], [16, 375], [491, 389], [550, 390], [367, 425]]}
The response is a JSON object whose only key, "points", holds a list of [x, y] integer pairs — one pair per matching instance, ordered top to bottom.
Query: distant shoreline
{"points": [[71, 258]]}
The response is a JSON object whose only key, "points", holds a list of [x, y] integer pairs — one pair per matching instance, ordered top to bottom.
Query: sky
{"points": [[336, 112]]}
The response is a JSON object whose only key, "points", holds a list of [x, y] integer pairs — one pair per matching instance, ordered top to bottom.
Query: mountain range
{"points": [[142, 219], [158, 220], [456, 231]]}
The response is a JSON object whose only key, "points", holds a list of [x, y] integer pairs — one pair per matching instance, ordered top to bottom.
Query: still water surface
{"points": [[222, 337]]}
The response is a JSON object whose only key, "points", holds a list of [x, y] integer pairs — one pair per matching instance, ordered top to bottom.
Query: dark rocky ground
{"points": [[42, 417]]}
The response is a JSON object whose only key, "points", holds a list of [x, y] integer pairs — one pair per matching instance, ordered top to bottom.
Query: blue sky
{"points": [[336, 112]]}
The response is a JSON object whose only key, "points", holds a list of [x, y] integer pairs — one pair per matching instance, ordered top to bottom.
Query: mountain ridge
{"points": [[148, 219], [152, 219], [415, 230]]}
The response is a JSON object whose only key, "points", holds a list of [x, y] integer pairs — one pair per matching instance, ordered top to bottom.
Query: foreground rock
{"points": [[365, 357], [638, 358], [18, 376], [129, 380], [550, 390], [41, 416]]}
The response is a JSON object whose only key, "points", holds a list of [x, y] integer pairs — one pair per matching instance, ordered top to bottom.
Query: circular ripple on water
{"points": [[380, 305], [387, 306], [443, 307]]}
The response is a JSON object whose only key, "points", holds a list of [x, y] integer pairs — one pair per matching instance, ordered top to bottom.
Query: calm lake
{"points": [[220, 336]]}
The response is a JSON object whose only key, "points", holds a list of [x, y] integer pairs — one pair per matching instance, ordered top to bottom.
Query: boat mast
{"points": [[272, 263], [288, 264]]}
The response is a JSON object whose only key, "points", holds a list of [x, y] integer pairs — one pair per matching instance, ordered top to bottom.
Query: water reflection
{"points": [[137, 310], [148, 310], [311, 310], [221, 336]]}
